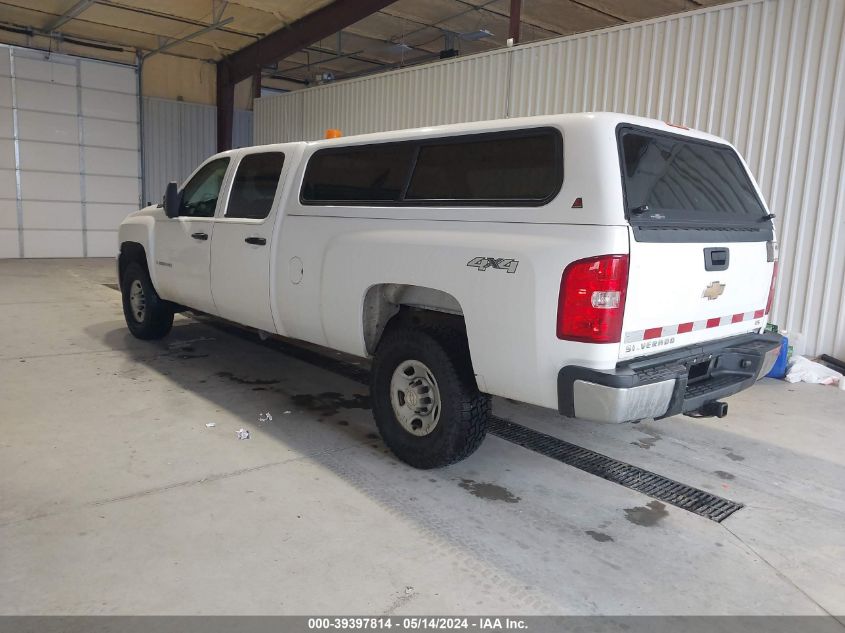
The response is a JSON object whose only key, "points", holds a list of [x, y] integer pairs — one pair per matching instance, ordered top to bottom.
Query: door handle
{"points": [[199, 236], [258, 241], [717, 258]]}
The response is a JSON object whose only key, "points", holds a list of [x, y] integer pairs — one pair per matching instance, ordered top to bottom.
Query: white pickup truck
{"points": [[611, 267]]}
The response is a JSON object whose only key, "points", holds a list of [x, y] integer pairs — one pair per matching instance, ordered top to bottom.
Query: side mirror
{"points": [[172, 200]]}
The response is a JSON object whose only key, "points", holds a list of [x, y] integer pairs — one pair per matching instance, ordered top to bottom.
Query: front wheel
{"points": [[147, 315], [425, 401]]}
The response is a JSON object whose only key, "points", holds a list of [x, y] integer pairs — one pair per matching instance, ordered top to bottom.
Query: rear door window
{"points": [[676, 181], [255, 184]]}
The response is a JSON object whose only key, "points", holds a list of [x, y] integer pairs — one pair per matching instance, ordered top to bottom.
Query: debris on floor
{"points": [[804, 370], [265, 417], [210, 425], [242, 434]]}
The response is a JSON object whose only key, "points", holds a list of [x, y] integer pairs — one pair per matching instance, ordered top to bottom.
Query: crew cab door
{"points": [[183, 244], [241, 246]]}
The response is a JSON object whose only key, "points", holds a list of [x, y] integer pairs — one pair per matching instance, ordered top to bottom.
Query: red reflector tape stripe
{"points": [[683, 328]]}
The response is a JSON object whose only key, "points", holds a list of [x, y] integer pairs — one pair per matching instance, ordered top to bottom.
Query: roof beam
{"points": [[68, 15], [298, 35], [190, 36], [277, 45]]}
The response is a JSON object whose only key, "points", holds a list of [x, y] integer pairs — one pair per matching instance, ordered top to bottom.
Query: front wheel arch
{"points": [[131, 252]]}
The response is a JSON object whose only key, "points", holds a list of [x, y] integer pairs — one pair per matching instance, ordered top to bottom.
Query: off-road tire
{"points": [[157, 315], [464, 409]]}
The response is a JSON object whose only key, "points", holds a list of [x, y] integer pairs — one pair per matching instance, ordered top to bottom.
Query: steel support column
{"points": [[516, 11], [225, 107]]}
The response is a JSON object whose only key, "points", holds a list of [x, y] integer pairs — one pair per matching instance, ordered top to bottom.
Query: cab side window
{"points": [[255, 186], [199, 196]]}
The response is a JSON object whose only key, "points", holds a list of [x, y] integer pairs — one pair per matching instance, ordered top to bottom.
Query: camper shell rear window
{"points": [[509, 168], [675, 186]]}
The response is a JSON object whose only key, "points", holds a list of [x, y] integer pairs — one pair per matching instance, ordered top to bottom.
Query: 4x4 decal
{"points": [[499, 263]]}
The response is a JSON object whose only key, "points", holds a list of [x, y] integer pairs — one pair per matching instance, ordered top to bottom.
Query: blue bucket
{"points": [[779, 368]]}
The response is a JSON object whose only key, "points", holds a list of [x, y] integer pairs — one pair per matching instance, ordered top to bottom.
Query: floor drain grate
{"points": [[644, 481], [648, 483]]}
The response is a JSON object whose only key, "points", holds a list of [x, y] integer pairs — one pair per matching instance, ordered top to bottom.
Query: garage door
{"points": [[69, 160]]}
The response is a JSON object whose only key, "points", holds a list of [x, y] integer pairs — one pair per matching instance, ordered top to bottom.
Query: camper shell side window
{"points": [[510, 168]]}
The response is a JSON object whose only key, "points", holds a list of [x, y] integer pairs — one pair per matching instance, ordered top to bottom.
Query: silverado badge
{"points": [[713, 291]]}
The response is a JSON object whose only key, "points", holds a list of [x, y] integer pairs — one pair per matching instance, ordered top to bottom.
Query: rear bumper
{"points": [[663, 385]]}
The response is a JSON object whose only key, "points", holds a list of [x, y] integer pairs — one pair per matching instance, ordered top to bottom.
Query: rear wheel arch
{"points": [[386, 304]]}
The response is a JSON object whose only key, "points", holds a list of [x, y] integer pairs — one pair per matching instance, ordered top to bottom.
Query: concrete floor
{"points": [[116, 497]]}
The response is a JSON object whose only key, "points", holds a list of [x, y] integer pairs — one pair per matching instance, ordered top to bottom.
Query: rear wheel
{"points": [[147, 315], [425, 401]]}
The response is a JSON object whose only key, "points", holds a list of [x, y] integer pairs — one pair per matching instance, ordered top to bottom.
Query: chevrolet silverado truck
{"points": [[611, 267]]}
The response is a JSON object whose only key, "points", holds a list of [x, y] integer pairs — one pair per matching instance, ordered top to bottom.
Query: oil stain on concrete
{"points": [[244, 381], [330, 402], [649, 441], [731, 455], [721, 474], [493, 492], [647, 515], [601, 537]]}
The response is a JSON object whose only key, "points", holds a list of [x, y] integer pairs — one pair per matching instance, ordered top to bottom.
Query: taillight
{"points": [[772, 289], [591, 302]]}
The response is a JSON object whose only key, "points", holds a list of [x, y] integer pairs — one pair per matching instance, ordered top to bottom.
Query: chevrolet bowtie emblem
{"points": [[713, 291]]}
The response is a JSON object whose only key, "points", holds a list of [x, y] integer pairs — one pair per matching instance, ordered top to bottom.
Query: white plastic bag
{"points": [[804, 370]]}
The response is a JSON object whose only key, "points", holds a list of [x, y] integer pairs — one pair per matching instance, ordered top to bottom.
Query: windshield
{"points": [[676, 180]]}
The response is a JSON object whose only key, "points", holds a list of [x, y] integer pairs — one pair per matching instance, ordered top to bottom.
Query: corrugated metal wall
{"points": [[769, 75], [471, 89], [241, 129], [178, 136]]}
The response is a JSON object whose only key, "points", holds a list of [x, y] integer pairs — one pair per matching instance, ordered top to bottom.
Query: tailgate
{"points": [[702, 249], [673, 300]]}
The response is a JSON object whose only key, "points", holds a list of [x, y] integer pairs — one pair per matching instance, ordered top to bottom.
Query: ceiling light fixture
{"points": [[473, 36], [399, 47]]}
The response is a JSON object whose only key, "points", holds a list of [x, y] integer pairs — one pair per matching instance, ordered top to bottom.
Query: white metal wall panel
{"points": [[769, 75], [452, 91], [448, 92], [109, 100], [59, 116], [279, 119], [242, 128], [178, 136], [9, 233]]}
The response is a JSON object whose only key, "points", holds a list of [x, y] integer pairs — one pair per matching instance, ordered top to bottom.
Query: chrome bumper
{"points": [[660, 386]]}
